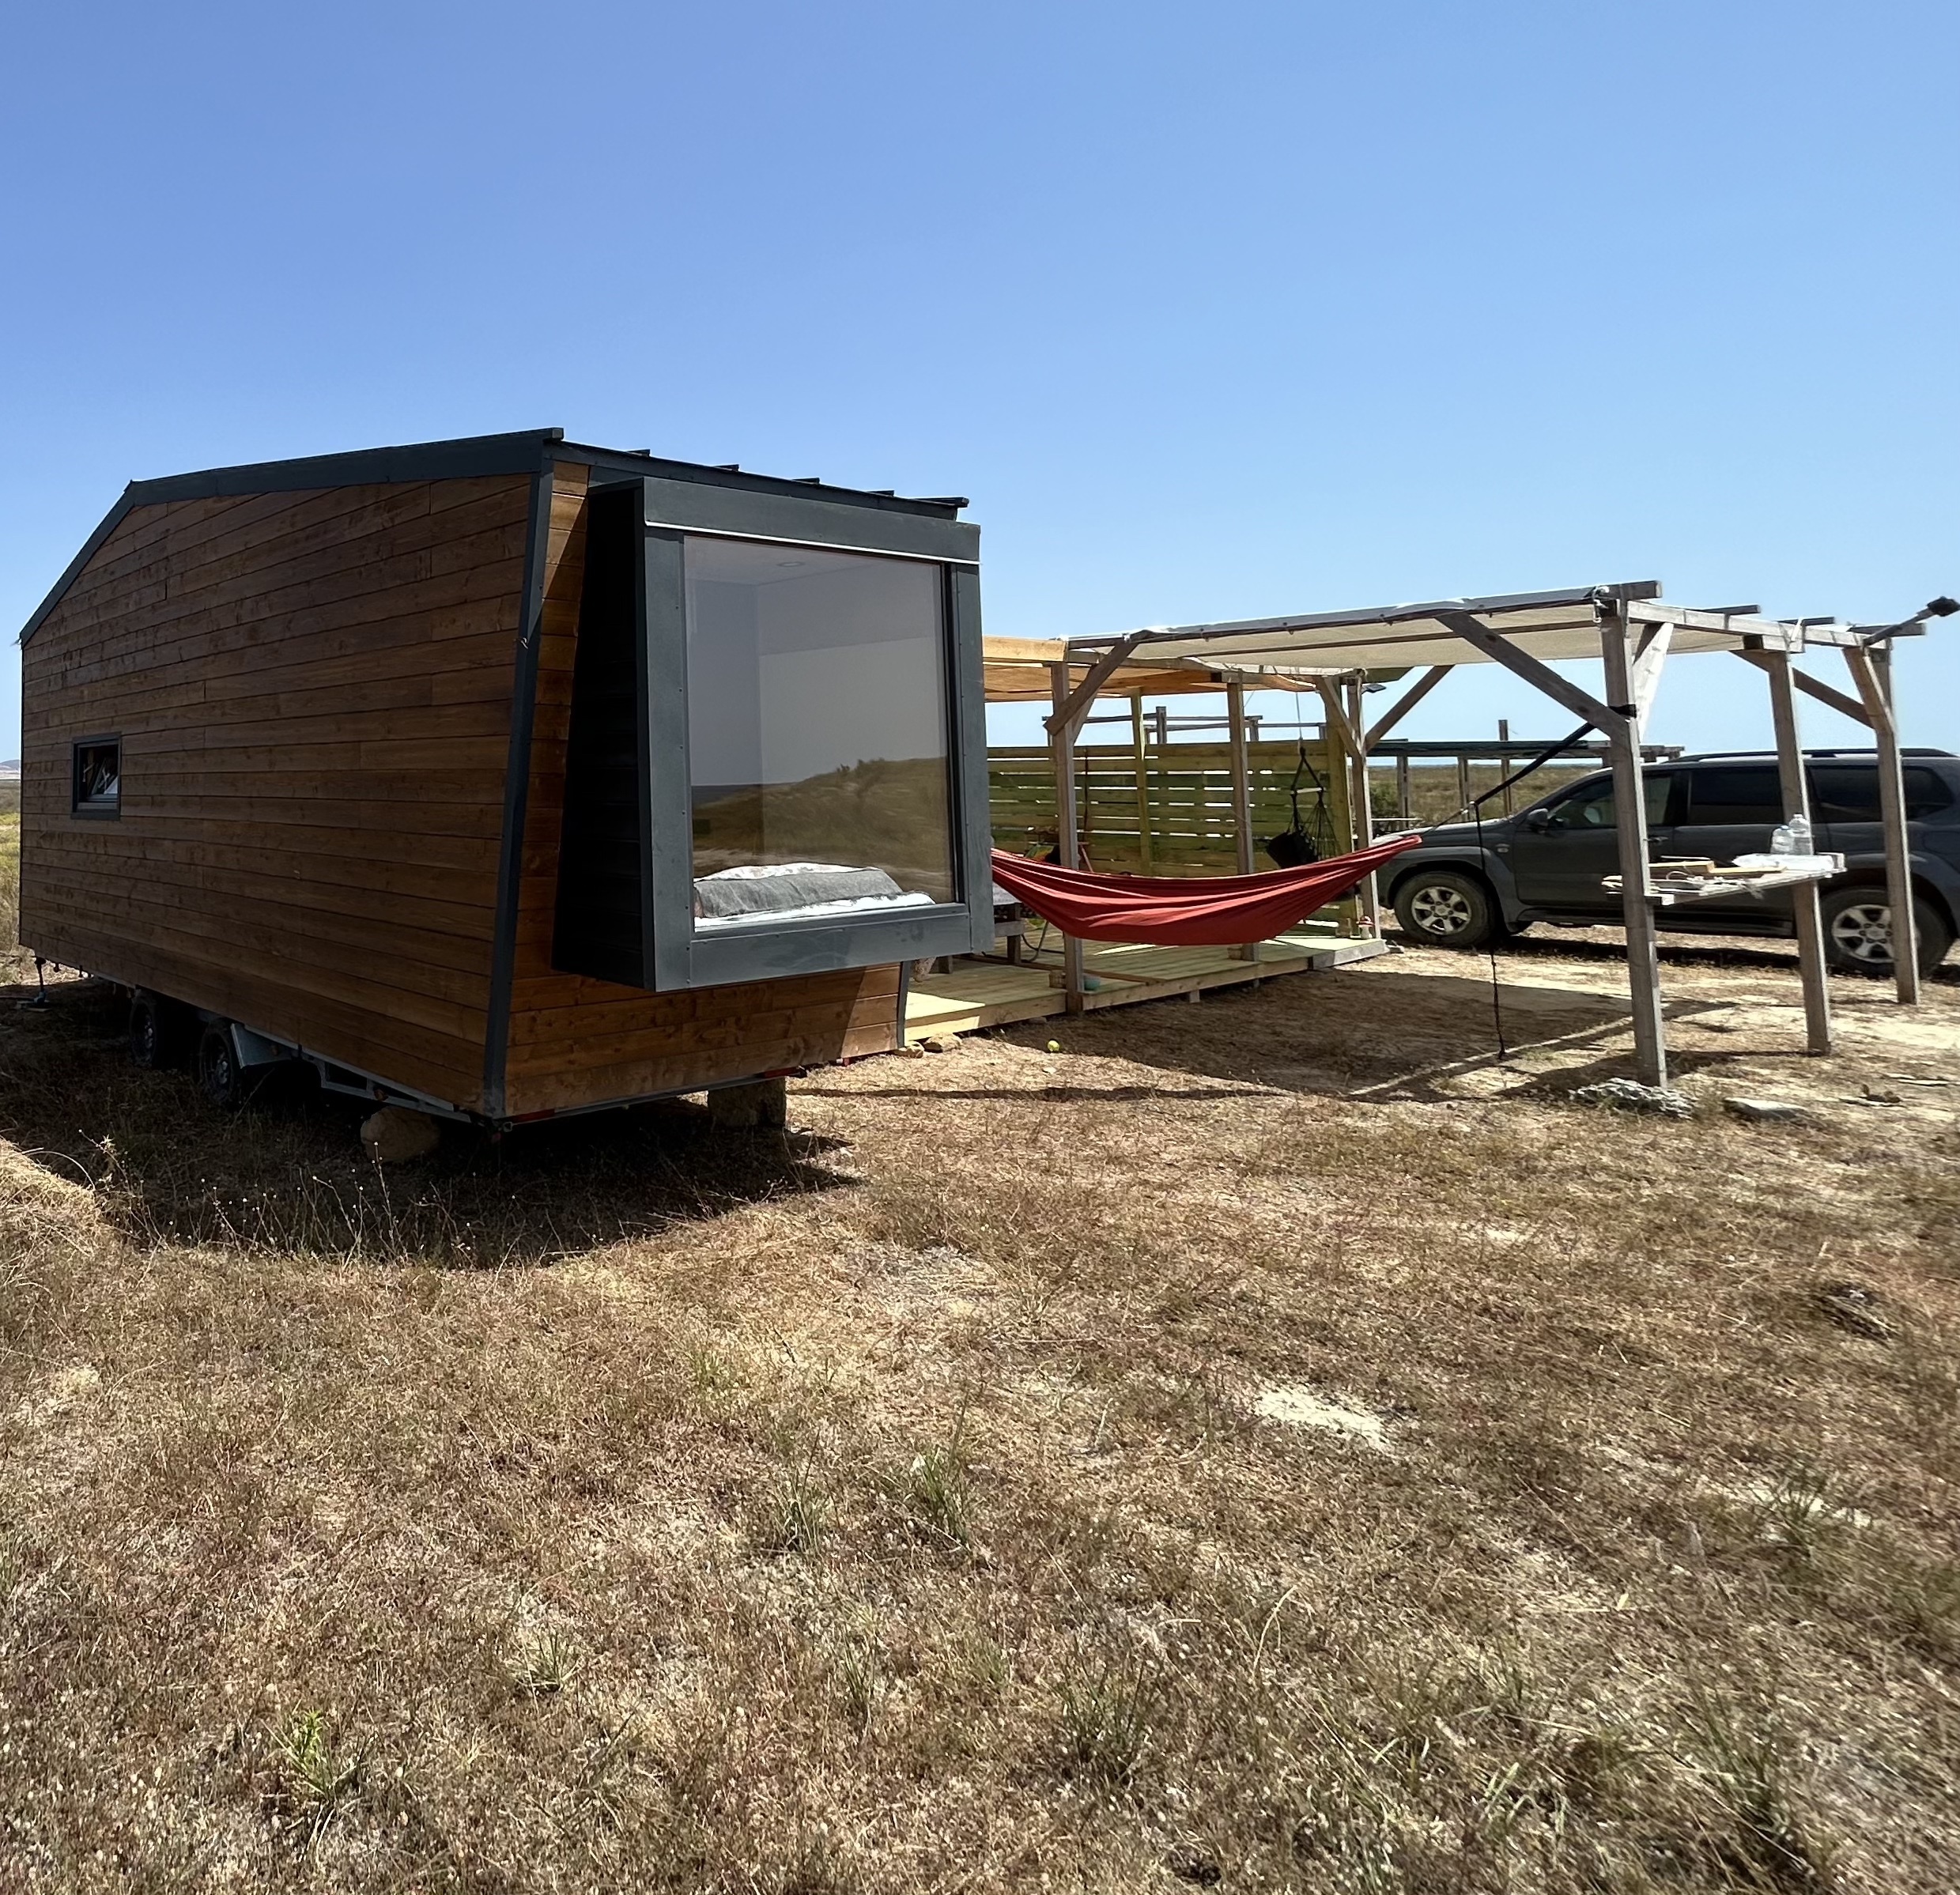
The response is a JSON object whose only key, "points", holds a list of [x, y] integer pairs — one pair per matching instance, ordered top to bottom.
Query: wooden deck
{"points": [[975, 993]]}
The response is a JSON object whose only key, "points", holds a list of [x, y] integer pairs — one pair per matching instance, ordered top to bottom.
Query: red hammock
{"points": [[1166, 911]]}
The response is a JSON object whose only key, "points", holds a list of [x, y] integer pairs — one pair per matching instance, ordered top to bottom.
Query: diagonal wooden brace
{"points": [[1406, 703], [1077, 705], [1845, 707], [1337, 720], [1607, 721]]}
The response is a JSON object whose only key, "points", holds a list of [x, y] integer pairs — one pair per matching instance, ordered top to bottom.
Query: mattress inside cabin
{"points": [[795, 891]]}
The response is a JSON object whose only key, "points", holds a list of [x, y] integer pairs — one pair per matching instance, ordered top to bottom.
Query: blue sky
{"points": [[1213, 311]]}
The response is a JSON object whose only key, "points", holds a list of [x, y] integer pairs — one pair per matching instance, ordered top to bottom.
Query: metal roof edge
{"points": [[524, 452], [471, 455], [629, 465], [90, 547], [1383, 615]]}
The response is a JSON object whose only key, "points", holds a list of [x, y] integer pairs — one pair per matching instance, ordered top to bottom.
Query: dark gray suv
{"points": [[1547, 862]]}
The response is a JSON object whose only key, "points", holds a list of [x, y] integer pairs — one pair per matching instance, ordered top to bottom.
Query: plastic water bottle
{"points": [[1792, 838]]}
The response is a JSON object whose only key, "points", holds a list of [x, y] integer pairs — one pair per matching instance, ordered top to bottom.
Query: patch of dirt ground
{"points": [[1274, 1444]]}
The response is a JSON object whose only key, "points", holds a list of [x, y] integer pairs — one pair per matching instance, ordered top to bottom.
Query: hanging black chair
{"points": [[1294, 848]]}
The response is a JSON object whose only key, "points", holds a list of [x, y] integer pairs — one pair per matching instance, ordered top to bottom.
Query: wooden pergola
{"points": [[1625, 625], [1055, 671]]}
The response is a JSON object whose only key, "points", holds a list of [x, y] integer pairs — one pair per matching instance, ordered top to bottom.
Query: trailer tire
{"points": [[156, 1032], [219, 1077]]}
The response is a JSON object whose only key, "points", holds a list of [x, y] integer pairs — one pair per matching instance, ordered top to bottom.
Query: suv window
{"points": [[1848, 792], [1736, 793], [1590, 806]]}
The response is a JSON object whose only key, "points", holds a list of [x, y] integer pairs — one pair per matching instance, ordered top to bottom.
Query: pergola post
{"points": [[1870, 666], [1062, 736], [1140, 751], [1241, 794], [1363, 803], [1630, 804], [1804, 898]]}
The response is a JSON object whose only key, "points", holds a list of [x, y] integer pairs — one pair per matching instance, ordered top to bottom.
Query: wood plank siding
{"points": [[312, 690], [575, 1041]]}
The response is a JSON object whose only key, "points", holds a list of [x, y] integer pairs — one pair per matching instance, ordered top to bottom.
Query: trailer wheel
{"points": [[157, 1032], [220, 1077]]}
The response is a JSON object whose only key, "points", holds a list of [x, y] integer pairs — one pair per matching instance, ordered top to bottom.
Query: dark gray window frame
{"points": [[97, 812], [681, 958]]}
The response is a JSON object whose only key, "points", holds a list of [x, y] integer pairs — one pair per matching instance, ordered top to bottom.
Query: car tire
{"points": [[1444, 907], [1858, 932], [156, 1032], [219, 1077]]}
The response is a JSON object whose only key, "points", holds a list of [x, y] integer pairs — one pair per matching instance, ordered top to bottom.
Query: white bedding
{"points": [[767, 871], [865, 904]]}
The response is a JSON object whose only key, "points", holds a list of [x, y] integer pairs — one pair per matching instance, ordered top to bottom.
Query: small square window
{"points": [[98, 787]]}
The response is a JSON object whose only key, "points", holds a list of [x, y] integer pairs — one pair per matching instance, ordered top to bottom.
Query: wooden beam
{"points": [[1023, 651], [1650, 655], [1870, 666], [1406, 703], [1848, 707], [1071, 709], [1337, 718], [1608, 721], [1140, 751], [1241, 794], [1796, 802], [1364, 805], [1629, 806], [1069, 845]]}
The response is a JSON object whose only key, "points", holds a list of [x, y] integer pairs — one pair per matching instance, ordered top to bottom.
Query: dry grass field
{"points": [[1268, 1444]]}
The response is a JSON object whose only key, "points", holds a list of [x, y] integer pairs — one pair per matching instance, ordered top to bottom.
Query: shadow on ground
{"points": [[1380, 1035], [287, 1173]]}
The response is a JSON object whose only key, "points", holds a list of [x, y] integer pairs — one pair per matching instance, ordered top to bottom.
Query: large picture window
{"points": [[817, 720], [775, 761]]}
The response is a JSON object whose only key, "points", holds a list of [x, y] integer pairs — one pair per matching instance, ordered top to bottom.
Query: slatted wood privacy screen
{"points": [[1169, 812]]}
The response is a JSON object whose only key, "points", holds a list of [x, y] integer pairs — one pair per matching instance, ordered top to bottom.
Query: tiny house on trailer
{"points": [[505, 777]]}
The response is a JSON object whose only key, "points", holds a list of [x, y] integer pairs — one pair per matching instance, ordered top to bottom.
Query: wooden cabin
{"points": [[505, 777]]}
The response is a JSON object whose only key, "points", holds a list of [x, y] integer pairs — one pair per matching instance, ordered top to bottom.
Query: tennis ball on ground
{"points": [[1054, 1046]]}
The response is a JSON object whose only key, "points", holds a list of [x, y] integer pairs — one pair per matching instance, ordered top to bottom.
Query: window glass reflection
{"points": [[816, 731]]}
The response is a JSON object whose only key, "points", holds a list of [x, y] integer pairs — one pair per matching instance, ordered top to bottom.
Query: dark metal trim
{"points": [[529, 451], [471, 457], [617, 465], [802, 519], [73, 570], [96, 812], [666, 814], [973, 815], [510, 868], [785, 949], [680, 956]]}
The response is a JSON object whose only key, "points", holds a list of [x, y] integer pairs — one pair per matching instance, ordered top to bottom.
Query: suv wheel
{"points": [[1441, 907], [1858, 932]]}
